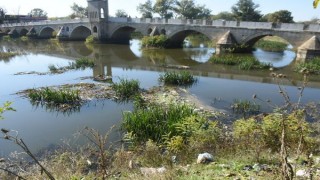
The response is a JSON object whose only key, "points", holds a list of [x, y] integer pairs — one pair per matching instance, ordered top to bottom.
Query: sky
{"points": [[301, 9]]}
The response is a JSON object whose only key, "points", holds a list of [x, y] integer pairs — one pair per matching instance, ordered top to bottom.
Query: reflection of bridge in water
{"points": [[108, 57]]}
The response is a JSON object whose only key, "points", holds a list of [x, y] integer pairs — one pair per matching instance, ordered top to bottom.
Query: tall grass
{"points": [[244, 62], [177, 78], [126, 89], [53, 96], [155, 121]]}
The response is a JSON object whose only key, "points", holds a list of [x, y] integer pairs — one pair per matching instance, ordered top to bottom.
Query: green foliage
{"points": [[164, 8], [146, 9], [189, 10], [245, 10], [78, 11], [37, 12], [121, 13], [223, 15], [282, 16], [6, 38], [24, 38], [91, 39], [154, 41], [274, 46], [84, 62], [244, 62], [312, 66], [181, 78], [126, 89], [53, 96], [5, 107], [245, 107], [155, 121], [267, 133]]}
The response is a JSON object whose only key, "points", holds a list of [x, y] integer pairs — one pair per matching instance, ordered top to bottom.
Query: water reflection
{"points": [[277, 59]]}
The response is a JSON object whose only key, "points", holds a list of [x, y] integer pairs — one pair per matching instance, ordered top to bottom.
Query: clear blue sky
{"points": [[301, 9]]}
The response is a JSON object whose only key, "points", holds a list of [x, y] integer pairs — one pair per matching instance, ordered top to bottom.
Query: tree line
{"points": [[243, 10]]}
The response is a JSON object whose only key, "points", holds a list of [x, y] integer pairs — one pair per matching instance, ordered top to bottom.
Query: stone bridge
{"points": [[225, 34]]}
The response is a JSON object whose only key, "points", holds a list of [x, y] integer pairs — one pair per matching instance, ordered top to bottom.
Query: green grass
{"points": [[270, 45], [244, 62], [312, 66], [177, 78], [126, 89], [53, 96], [245, 107], [155, 121]]}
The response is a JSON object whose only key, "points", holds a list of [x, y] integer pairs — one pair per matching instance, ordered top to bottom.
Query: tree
{"points": [[315, 3], [164, 8], [146, 9], [189, 10], [245, 10], [78, 11], [37, 12], [121, 13], [2, 15], [223, 16], [283, 16]]}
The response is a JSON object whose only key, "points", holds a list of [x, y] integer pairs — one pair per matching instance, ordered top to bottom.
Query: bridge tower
{"points": [[98, 14]]}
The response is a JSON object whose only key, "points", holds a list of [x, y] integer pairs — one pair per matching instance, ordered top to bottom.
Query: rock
{"points": [[204, 158], [247, 168], [150, 171], [302, 173]]}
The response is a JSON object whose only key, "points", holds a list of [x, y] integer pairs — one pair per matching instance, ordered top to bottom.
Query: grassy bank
{"points": [[244, 62], [312, 66]]}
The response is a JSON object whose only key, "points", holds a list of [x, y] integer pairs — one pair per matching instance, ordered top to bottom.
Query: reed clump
{"points": [[177, 78], [126, 89]]}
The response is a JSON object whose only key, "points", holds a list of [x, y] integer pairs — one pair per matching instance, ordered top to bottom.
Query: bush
{"points": [[91, 39], [154, 41], [312, 66], [181, 78], [126, 89]]}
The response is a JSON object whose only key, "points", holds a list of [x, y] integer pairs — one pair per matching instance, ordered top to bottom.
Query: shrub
{"points": [[91, 39], [154, 41], [312, 66], [181, 78], [126, 89]]}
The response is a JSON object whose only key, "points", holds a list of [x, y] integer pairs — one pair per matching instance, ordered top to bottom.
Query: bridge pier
{"points": [[309, 50]]}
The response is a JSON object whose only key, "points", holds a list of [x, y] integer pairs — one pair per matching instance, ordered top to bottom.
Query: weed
{"points": [[91, 39], [154, 41], [270, 45], [312, 66], [174, 78], [126, 89], [245, 107]]}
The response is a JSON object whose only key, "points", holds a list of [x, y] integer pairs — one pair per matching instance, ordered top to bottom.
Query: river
{"points": [[43, 128]]}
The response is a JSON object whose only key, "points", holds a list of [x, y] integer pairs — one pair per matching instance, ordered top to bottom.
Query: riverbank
{"points": [[237, 151]]}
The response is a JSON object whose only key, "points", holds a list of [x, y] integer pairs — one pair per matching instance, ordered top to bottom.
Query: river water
{"points": [[217, 85]]}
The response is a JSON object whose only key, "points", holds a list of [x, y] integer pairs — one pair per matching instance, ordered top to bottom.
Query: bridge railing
{"points": [[46, 22], [223, 23]]}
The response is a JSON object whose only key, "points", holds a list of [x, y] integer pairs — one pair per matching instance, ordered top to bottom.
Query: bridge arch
{"points": [[23, 32], [46, 32], [80, 33], [122, 34], [177, 38], [251, 40]]}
